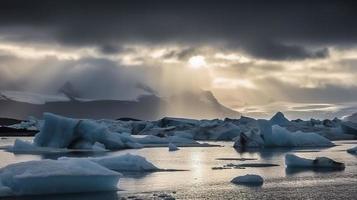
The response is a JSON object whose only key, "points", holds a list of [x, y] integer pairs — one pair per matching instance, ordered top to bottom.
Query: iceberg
{"points": [[279, 119], [63, 132], [227, 132], [265, 135], [283, 138], [21, 147], [173, 147], [352, 150], [293, 161], [123, 163], [56, 176], [249, 179]]}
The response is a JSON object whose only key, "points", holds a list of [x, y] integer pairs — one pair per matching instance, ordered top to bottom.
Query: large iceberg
{"points": [[62, 132], [266, 135], [282, 137], [293, 161], [56, 176]]}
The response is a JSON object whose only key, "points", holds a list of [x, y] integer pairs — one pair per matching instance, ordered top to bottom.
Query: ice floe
{"points": [[276, 136], [173, 147], [352, 150], [293, 161], [122, 163], [56, 176], [249, 179]]}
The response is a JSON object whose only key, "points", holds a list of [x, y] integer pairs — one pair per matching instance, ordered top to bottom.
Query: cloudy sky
{"points": [[256, 57]]}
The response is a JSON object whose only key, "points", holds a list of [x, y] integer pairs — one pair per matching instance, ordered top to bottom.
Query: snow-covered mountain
{"points": [[32, 98], [201, 104]]}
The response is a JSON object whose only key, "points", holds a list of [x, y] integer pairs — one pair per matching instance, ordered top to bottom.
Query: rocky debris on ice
{"points": [[173, 147], [352, 150], [293, 161], [56, 176], [249, 179]]}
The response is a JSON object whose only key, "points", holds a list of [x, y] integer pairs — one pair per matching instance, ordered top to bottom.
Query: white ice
{"points": [[33, 98], [263, 134], [283, 138], [123, 163], [56, 176]]}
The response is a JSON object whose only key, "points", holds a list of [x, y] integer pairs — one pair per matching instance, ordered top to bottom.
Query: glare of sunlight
{"points": [[197, 62]]}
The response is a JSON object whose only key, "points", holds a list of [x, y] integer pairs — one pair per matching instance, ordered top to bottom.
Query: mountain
{"points": [[200, 104]]}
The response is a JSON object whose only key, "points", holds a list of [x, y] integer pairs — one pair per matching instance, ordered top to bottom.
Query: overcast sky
{"points": [[248, 53]]}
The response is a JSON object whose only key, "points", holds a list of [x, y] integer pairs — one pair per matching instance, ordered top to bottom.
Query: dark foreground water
{"points": [[200, 181]]}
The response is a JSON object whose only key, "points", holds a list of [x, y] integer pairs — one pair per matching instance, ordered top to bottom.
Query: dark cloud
{"points": [[296, 27], [110, 49], [279, 51], [181, 54], [145, 88], [330, 93]]}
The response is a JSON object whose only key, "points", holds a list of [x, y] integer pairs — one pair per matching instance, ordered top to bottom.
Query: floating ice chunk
{"points": [[349, 127], [57, 131], [227, 131], [62, 132], [184, 134], [284, 138], [151, 139], [251, 139], [181, 140], [21, 145], [98, 147], [173, 147], [352, 150], [294, 161], [123, 163], [57, 176], [249, 179], [5, 191]]}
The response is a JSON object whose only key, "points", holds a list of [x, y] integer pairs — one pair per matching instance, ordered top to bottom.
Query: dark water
{"points": [[201, 182]]}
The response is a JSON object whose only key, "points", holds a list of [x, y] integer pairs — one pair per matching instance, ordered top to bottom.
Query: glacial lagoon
{"points": [[198, 176]]}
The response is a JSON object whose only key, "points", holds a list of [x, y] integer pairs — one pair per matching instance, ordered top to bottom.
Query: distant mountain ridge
{"points": [[201, 104]]}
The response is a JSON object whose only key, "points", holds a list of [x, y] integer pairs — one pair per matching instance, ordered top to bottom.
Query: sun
{"points": [[197, 62]]}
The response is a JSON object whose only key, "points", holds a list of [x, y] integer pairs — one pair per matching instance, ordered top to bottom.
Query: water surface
{"points": [[200, 181]]}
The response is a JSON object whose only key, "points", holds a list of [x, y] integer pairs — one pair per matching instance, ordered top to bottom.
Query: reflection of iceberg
{"points": [[293, 161], [56, 176]]}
